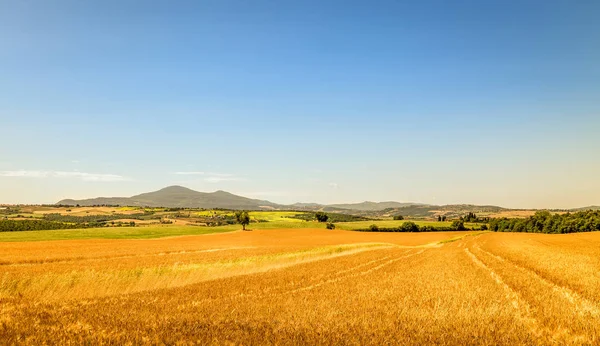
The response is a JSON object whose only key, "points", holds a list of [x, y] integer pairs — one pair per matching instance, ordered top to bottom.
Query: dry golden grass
{"points": [[304, 287]]}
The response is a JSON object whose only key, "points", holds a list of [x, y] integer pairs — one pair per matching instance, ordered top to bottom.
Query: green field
{"points": [[260, 220], [280, 220], [351, 226], [144, 232]]}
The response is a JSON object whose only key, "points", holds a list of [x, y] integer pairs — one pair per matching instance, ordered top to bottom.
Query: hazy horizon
{"points": [[433, 102]]}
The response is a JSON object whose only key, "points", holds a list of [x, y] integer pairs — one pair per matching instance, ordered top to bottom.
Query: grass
{"points": [[141, 232], [145, 232]]}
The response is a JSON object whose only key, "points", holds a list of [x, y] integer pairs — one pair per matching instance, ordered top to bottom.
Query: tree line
{"points": [[324, 217], [545, 222], [33, 225], [45, 225], [409, 226]]}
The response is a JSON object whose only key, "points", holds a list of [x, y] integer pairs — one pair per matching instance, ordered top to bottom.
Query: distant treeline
{"points": [[332, 217], [94, 218], [544, 222], [8, 225], [33, 225], [410, 226]]}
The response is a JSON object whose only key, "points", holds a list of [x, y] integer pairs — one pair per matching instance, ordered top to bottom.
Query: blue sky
{"points": [[486, 102]]}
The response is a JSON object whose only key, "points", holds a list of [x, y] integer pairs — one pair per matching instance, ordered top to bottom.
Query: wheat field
{"points": [[304, 286]]}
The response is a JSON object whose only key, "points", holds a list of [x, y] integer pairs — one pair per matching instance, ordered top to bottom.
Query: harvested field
{"points": [[304, 286]]}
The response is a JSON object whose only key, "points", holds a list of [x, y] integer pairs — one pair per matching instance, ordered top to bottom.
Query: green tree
{"points": [[321, 216], [398, 217], [242, 218], [439, 218], [330, 225], [458, 225], [409, 226]]}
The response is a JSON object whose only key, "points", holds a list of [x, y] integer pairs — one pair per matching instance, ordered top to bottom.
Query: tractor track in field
{"points": [[361, 273], [286, 287], [519, 304], [582, 305], [524, 313]]}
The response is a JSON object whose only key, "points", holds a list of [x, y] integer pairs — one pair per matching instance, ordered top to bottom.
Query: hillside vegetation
{"points": [[545, 222]]}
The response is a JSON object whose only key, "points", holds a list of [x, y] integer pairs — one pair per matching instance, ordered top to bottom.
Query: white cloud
{"points": [[189, 173], [28, 174], [95, 177], [334, 185]]}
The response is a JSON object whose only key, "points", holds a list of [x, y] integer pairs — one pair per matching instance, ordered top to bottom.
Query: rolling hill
{"points": [[179, 197], [182, 197], [372, 206]]}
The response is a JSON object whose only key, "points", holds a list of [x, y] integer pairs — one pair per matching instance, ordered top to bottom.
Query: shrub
{"points": [[398, 217], [330, 225], [373, 228]]}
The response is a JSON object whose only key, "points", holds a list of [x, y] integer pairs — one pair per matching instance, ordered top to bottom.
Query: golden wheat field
{"points": [[304, 286]]}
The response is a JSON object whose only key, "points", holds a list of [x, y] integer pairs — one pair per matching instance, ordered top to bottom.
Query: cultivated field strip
{"points": [[118, 257], [571, 260], [356, 274], [81, 283], [457, 292], [582, 305], [522, 308], [555, 313]]}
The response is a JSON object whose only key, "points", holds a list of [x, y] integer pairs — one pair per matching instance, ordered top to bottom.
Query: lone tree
{"points": [[321, 216], [242, 218]]}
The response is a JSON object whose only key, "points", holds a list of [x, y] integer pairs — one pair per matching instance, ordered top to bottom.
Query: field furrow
{"points": [[450, 290], [582, 305], [557, 318]]}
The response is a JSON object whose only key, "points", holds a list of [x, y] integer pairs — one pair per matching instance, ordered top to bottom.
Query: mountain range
{"points": [[182, 197]]}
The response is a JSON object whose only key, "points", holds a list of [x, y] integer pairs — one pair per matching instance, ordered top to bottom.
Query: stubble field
{"points": [[308, 286]]}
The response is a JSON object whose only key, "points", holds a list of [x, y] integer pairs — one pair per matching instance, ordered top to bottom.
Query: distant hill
{"points": [[179, 197], [182, 197], [372, 206], [591, 207], [414, 210]]}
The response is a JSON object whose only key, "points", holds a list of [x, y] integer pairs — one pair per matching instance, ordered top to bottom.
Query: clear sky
{"points": [[485, 102]]}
